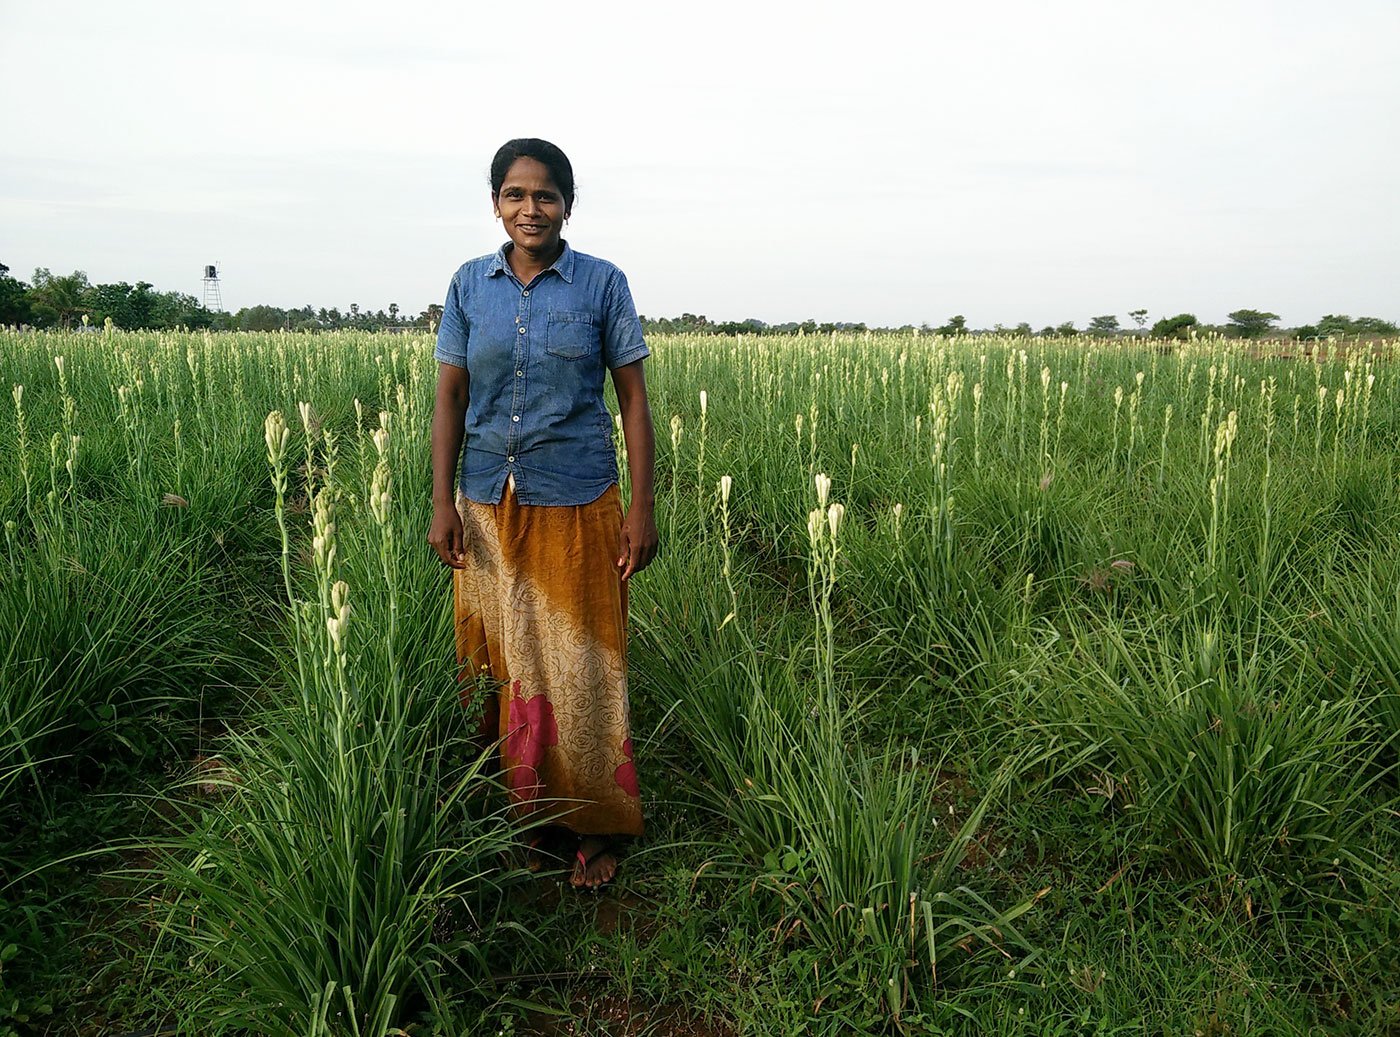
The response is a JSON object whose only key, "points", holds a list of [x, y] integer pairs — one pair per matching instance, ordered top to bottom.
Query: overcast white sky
{"points": [[1009, 160]]}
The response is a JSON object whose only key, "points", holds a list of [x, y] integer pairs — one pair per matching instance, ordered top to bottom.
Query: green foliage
{"points": [[14, 299], [59, 300], [126, 306], [138, 307], [261, 318], [1251, 323], [1107, 324], [1341, 326], [1178, 327], [1006, 637], [1360, 654], [1237, 767], [844, 839]]}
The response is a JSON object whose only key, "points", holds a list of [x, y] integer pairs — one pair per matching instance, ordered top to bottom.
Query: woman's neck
{"points": [[529, 265]]}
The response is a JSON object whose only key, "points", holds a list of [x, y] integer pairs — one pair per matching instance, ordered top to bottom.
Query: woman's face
{"points": [[531, 206]]}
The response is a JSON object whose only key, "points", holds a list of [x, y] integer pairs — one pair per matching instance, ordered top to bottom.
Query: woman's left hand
{"points": [[640, 541]]}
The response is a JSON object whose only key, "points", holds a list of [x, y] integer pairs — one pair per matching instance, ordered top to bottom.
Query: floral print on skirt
{"points": [[541, 622]]}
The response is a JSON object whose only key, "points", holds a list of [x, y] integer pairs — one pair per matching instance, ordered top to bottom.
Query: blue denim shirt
{"points": [[535, 357]]}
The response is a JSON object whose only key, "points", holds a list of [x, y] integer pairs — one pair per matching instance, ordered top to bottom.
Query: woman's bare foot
{"points": [[595, 864]]}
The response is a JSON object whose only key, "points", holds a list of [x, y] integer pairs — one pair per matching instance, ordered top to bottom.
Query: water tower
{"points": [[213, 301]]}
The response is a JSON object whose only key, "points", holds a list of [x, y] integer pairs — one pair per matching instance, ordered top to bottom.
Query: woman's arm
{"points": [[449, 425], [639, 538]]}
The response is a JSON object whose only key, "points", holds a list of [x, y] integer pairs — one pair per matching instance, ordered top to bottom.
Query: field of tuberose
{"points": [[984, 685]]}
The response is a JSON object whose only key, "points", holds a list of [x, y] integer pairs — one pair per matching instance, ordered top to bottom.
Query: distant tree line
{"points": [[63, 301], [308, 318], [690, 323], [1247, 324]]}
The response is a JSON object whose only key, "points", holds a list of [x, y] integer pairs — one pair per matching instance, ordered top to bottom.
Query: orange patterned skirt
{"points": [[541, 618]]}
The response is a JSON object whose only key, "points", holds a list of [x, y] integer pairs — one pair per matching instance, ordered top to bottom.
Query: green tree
{"points": [[14, 299], [59, 300], [128, 306], [179, 310], [261, 318], [1139, 318], [1251, 323], [1107, 324], [957, 325], [1338, 325], [1374, 326], [1179, 327], [1067, 328]]}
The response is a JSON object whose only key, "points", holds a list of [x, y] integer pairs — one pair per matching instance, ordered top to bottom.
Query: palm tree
{"points": [[59, 298]]}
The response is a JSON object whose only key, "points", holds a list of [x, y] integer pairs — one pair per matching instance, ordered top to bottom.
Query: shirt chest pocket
{"points": [[572, 334]]}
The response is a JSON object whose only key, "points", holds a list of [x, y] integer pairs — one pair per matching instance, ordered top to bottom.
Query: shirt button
{"points": [[526, 293], [522, 329], [520, 374], [515, 417], [511, 459]]}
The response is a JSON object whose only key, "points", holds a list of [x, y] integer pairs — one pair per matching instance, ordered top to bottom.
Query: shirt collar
{"points": [[563, 266]]}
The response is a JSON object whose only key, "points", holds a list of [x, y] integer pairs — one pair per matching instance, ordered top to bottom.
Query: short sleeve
{"points": [[452, 332], [623, 343]]}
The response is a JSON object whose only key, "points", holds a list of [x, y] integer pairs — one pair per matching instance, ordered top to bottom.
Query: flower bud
{"points": [[275, 435], [834, 515], [340, 593]]}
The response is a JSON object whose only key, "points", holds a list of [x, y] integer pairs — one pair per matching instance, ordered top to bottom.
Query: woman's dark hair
{"points": [[560, 171]]}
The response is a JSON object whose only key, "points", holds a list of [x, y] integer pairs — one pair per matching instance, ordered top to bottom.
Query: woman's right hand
{"points": [[446, 536]]}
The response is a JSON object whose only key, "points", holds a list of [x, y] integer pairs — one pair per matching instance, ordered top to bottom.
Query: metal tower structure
{"points": [[213, 301]]}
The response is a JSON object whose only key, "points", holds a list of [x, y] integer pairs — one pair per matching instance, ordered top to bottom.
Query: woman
{"points": [[540, 549]]}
